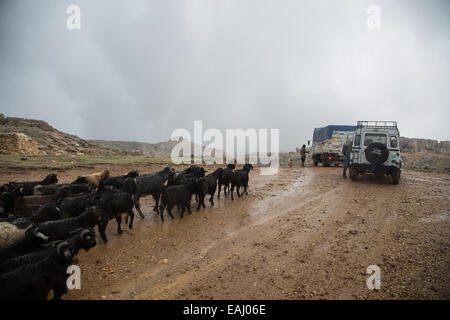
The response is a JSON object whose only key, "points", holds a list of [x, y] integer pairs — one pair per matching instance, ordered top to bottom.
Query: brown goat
{"points": [[94, 178]]}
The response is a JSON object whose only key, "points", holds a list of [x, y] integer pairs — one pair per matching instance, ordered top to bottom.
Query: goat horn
{"points": [[76, 230], [85, 231], [39, 234], [42, 236], [51, 243], [60, 245], [67, 254]]}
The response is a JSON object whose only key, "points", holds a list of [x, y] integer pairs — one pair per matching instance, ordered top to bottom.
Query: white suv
{"points": [[376, 149]]}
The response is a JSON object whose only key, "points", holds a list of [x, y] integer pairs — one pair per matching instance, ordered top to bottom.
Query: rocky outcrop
{"points": [[47, 139], [18, 143], [414, 145], [426, 161]]}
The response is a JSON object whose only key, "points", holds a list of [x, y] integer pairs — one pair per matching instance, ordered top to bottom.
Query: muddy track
{"points": [[305, 233]]}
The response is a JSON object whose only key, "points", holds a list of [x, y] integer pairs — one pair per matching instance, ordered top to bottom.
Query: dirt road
{"points": [[305, 233]]}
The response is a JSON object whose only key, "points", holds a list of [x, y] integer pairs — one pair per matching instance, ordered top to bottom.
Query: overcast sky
{"points": [[137, 70]]}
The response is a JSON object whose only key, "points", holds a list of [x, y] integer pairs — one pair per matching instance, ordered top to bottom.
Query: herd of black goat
{"points": [[44, 224]]}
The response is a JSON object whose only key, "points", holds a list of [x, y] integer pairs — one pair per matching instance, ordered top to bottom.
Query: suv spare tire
{"points": [[376, 153]]}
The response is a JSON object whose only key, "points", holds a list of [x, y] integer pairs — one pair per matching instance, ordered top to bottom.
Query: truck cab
{"points": [[376, 149]]}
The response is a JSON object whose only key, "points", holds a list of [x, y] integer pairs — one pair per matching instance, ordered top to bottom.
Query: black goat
{"points": [[184, 176], [225, 179], [240, 179], [211, 180], [117, 182], [151, 184], [28, 186], [71, 189], [178, 195], [7, 200], [112, 203], [76, 205], [46, 212], [61, 229], [81, 239], [31, 241], [34, 281]]}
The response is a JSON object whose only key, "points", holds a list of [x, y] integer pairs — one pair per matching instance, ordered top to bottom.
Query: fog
{"points": [[137, 70]]}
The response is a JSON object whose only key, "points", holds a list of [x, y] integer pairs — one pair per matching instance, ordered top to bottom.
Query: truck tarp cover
{"points": [[325, 133]]}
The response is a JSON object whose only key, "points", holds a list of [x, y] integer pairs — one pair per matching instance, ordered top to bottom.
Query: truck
{"points": [[328, 142], [376, 150]]}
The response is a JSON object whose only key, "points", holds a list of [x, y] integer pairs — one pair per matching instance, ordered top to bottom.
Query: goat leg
{"points": [[232, 191], [156, 198], [137, 205], [188, 206], [169, 209], [161, 211], [182, 212], [131, 214], [119, 220], [102, 227], [59, 289]]}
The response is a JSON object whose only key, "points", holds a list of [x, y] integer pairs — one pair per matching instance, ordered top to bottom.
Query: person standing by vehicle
{"points": [[346, 148], [303, 153]]}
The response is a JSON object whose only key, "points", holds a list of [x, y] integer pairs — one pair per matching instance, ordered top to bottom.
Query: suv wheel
{"points": [[395, 176]]}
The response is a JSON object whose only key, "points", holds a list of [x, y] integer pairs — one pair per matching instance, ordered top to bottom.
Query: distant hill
{"points": [[34, 137], [160, 149]]}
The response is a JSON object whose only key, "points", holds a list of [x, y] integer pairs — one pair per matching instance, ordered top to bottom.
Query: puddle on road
{"points": [[257, 210], [440, 217]]}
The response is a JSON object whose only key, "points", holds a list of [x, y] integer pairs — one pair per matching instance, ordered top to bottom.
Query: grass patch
{"points": [[73, 161]]}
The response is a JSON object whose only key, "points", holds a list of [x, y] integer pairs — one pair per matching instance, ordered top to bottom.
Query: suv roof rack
{"points": [[377, 124]]}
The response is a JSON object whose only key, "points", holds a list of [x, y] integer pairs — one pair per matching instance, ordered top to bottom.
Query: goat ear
{"points": [[45, 245]]}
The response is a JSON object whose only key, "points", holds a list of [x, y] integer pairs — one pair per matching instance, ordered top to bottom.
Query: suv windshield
{"points": [[374, 137]]}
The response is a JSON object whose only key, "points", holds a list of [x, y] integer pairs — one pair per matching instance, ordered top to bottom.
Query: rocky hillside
{"points": [[31, 137], [413, 145]]}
